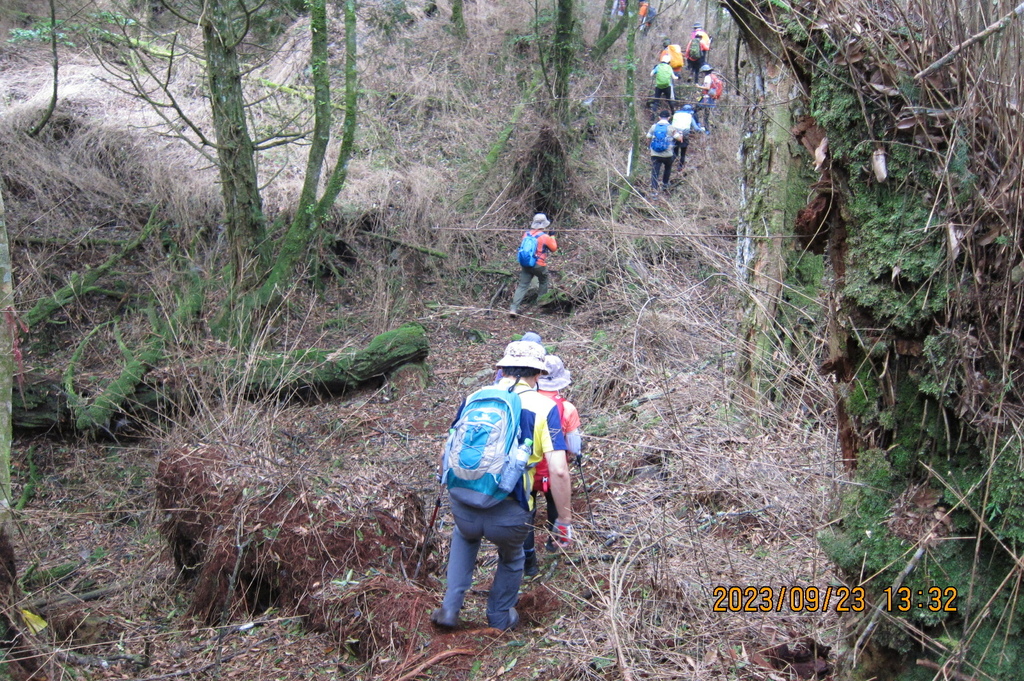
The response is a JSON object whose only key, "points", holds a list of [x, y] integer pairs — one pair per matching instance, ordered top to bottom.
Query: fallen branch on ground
{"points": [[80, 284], [434, 660], [946, 673]]}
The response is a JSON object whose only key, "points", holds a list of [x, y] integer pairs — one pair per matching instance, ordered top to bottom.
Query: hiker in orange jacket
{"points": [[647, 14], [674, 54], [545, 244]]}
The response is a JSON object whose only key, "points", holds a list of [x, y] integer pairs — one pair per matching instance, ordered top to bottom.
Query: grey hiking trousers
{"points": [[526, 275], [506, 525]]}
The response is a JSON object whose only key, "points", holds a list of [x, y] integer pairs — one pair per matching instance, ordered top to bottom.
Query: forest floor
{"points": [[689, 498]]}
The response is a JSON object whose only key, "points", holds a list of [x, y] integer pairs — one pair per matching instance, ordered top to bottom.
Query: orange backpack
{"points": [[675, 57], [717, 86]]}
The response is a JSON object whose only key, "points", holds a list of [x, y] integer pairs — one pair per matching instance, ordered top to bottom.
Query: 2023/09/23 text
{"points": [[821, 599]]}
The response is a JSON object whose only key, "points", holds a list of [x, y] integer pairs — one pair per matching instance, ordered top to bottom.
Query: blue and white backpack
{"points": [[484, 456]]}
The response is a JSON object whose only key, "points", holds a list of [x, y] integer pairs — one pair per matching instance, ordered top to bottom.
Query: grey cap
{"points": [[524, 354]]}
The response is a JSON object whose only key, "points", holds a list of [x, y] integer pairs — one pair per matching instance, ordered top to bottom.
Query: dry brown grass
{"points": [[696, 492]]}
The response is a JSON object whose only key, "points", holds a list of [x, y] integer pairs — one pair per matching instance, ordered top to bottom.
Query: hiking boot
{"points": [[550, 546], [530, 567], [446, 618], [513, 620]]}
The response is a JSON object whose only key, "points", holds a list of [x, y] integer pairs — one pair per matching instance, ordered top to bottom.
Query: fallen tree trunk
{"points": [[80, 284], [324, 373], [42, 403]]}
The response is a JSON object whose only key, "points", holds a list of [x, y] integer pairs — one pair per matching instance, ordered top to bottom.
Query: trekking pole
{"points": [[426, 536]]}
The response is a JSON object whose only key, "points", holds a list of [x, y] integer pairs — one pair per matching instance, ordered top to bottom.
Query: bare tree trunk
{"points": [[609, 7], [605, 42], [38, 127], [634, 128], [774, 191], [243, 208], [311, 211]]}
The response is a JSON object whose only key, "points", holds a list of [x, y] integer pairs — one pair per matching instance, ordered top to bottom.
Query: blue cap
{"points": [[532, 337]]}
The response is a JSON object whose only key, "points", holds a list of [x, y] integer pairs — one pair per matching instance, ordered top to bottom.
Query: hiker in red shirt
{"points": [[697, 51], [533, 253], [557, 379]]}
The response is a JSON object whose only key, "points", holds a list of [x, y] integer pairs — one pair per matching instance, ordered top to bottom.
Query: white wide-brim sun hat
{"points": [[523, 354], [558, 376]]}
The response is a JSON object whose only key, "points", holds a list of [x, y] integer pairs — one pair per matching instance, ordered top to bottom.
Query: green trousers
{"points": [[526, 275]]}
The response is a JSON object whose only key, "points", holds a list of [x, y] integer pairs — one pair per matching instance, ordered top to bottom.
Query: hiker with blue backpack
{"points": [[661, 136], [532, 254], [499, 436]]}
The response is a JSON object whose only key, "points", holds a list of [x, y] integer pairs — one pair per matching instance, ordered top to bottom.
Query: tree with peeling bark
{"points": [[881, 241], [8, 333]]}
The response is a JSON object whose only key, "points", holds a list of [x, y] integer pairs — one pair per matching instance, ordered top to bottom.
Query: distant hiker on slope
{"points": [[647, 14], [697, 51], [674, 54], [663, 77], [712, 89], [683, 121], [660, 136], [533, 252], [557, 379], [494, 428]]}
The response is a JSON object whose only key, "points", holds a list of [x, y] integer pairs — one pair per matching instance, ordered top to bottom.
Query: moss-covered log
{"points": [[80, 283], [321, 373], [42, 402], [103, 410]]}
